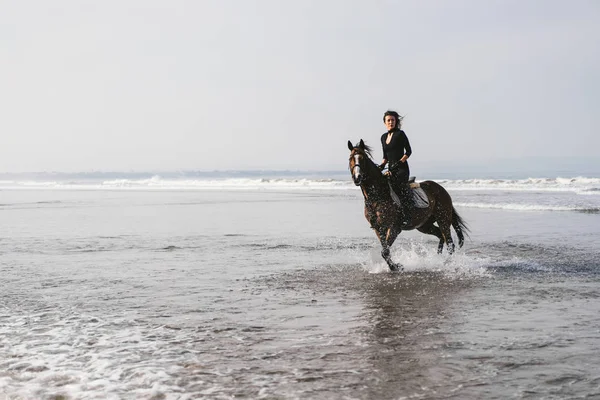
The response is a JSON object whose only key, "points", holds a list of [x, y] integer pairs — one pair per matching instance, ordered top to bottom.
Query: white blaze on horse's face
{"points": [[356, 167]]}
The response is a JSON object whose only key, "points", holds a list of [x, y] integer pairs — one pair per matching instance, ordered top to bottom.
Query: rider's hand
{"points": [[381, 166]]}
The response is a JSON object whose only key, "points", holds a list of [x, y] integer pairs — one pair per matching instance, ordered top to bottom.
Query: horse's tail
{"points": [[460, 227]]}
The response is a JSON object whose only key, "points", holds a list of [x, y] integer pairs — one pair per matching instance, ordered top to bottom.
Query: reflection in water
{"points": [[408, 324], [380, 336], [396, 343]]}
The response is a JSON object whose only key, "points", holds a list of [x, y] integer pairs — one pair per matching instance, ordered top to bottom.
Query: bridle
{"points": [[363, 177]]}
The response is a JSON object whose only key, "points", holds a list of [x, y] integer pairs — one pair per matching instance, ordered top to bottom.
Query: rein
{"points": [[356, 164], [368, 182]]}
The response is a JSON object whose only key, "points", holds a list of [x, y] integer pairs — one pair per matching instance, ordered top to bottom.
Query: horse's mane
{"points": [[367, 150]]}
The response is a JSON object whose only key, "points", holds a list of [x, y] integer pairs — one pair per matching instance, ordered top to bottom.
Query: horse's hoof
{"points": [[396, 268]]}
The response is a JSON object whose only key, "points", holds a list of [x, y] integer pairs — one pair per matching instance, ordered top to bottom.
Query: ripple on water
{"points": [[470, 326]]}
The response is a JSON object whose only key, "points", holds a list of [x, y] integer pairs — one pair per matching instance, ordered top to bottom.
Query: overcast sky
{"points": [[239, 84]]}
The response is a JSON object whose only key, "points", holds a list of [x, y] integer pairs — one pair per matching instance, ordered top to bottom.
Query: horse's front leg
{"points": [[387, 238]]}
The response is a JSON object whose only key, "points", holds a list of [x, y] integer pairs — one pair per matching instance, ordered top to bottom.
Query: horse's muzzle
{"points": [[357, 175], [358, 179]]}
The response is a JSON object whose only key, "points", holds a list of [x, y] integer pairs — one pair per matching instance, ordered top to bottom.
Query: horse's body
{"points": [[385, 216]]}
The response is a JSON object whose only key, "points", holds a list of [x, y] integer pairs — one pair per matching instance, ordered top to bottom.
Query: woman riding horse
{"points": [[396, 150], [385, 217]]}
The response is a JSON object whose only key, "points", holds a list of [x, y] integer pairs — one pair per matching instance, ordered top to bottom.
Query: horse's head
{"points": [[360, 162]]}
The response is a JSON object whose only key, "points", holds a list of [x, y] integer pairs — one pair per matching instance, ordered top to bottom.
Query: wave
{"points": [[335, 181], [159, 183], [235, 183], [580, 185], [529, 207]]}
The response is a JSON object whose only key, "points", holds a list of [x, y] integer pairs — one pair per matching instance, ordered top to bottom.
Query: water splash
{"points": [[416, 256]]}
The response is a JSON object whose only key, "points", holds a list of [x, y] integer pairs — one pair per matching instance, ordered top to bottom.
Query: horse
{"points": [[385, 216]]}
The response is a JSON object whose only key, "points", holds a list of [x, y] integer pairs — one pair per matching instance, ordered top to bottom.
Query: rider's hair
{"points": [[394, 114]]}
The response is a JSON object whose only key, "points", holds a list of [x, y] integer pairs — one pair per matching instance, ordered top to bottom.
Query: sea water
{"points": [[271, 285]]}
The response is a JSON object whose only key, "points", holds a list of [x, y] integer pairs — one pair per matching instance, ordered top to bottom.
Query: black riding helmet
{"points": [[393, 114]]}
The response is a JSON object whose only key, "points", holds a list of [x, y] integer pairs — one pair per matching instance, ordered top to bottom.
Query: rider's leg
{"points": [[401, 175]]}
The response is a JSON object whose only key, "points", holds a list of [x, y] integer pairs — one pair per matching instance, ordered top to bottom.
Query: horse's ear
{"points": [[361, 144], [350, 146]]}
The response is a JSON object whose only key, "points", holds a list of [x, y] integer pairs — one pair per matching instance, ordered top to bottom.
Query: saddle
{"points": [[419, 197]]}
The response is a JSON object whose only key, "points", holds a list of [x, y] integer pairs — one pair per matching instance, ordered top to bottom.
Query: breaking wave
{"points": [[288, 181], [530, 207]]}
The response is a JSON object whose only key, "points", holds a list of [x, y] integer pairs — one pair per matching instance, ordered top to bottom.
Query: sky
{"points": [[140, 85]]}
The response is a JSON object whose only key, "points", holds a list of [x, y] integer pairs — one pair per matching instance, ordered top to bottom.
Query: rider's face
{"points": [[390, 122]]}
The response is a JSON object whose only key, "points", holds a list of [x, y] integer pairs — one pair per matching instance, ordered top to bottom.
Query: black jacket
{"points": [[398, 147]]}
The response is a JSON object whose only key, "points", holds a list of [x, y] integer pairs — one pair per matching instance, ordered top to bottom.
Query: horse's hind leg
{"points": [[430, 229], [445, 229]]}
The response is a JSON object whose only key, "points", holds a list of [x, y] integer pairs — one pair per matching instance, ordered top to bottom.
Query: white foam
{"points": [[157, 183], [234, 183], [576, 184], [579, 185], [524, 207], [420, 256], [90, 359]]}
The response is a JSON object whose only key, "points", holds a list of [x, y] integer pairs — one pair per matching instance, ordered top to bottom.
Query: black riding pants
{"points": [[400, 173], [399, 179]]}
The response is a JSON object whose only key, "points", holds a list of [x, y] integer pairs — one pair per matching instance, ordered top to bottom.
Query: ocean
{"points": [[270, 285]]}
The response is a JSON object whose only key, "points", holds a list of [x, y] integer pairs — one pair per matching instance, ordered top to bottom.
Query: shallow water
{"points": [[282, 294]]}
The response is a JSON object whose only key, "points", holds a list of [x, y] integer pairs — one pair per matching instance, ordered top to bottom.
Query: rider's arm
{"points": [[407, 149]]}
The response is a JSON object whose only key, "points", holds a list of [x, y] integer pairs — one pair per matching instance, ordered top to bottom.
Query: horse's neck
{"points": [[375, 188]]}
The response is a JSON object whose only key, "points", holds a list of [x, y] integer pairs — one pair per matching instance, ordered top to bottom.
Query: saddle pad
{"points": [[419, 196], [420, 199]]}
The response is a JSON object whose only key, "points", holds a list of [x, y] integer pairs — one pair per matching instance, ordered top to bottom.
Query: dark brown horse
{"points": [[385, 216]]}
